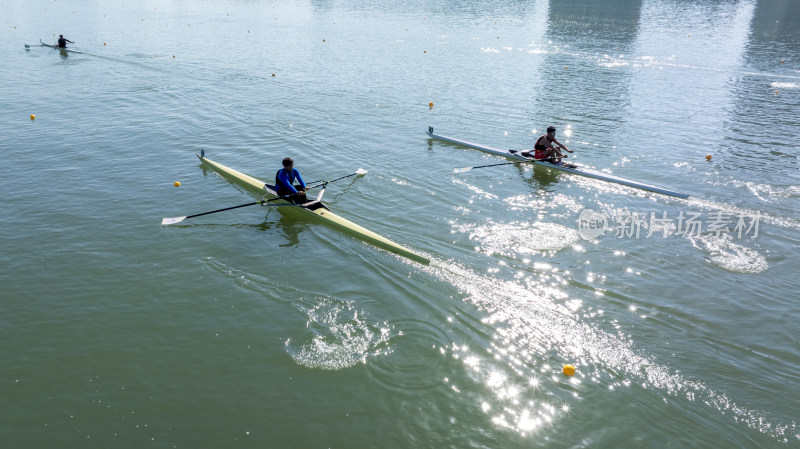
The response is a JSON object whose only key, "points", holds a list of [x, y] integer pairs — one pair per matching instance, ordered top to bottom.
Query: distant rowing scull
{"points": [[59, 48]]}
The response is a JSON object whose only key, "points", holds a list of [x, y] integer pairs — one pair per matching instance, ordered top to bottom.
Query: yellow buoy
{"points": [[104, 43], [173, 56], [782, 61], [565, 67], [273, 74], [430, 104], [33, 117], [708, 157], [177, 184], [569, 370]]}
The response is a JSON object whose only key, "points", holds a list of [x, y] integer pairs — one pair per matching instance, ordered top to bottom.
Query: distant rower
{"points": [[62, 42], [547, 147], [284, 179]]}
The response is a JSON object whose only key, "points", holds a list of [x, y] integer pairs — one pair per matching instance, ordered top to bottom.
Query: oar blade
{"points": [[462, 169], [319, 195], [169, 221]]}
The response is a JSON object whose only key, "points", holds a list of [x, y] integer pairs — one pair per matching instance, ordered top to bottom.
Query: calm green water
{"points": [[253, 329]]}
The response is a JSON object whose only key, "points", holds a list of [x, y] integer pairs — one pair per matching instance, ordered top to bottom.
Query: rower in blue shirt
{"points": [[284, 179]]}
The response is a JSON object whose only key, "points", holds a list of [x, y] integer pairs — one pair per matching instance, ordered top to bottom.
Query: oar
{"points": [[466, 169], [360, 172], [319, 182], [168, 221]]}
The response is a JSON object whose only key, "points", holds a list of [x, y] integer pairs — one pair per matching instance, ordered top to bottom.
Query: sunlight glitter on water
{"points": [[518, 238], [536, 330]]}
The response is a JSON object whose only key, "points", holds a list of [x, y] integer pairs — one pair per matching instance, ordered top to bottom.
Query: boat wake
{"points": [[537, 329], [506, 360]]}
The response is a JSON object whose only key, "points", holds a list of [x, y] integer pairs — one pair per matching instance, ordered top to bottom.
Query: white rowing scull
{"points": [[59, 48], [583, 171]]}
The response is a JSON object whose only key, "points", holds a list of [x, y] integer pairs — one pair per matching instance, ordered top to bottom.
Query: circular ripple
{"points": [[412, 357]]}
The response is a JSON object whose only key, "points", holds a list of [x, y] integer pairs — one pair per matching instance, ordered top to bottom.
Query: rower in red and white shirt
{"points": [[547, 147]]}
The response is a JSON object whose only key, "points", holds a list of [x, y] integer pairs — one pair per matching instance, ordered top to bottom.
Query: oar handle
{"points": [[285, 197]]}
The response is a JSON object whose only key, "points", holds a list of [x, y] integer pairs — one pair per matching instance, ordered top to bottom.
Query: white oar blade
{"points": [[462, 169], [361, 172], [319, 195], [169, 221]]}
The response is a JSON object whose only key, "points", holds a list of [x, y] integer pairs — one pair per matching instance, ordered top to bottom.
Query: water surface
{"points": [[251, 328]]}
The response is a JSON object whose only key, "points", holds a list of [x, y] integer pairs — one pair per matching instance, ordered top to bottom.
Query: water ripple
{"points": [[538, 328], [337, 335], [411, 357]]}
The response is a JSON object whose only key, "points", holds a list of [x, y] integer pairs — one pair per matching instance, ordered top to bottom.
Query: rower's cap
{"points": [[551, 130]]}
